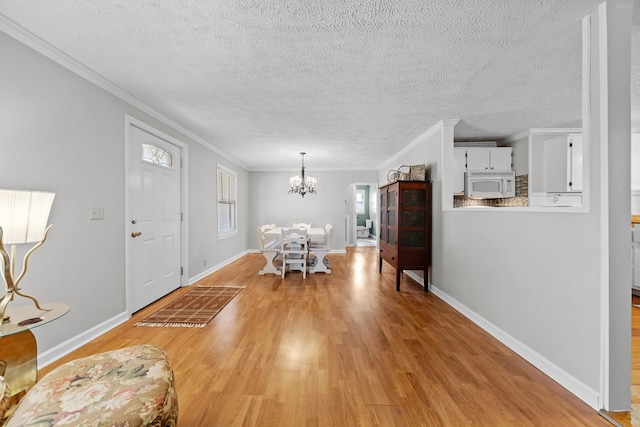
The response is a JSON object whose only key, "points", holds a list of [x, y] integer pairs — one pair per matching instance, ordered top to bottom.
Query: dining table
{"points": [[313, 233]]}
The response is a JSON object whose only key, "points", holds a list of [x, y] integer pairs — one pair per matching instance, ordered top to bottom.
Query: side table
{"points": [[18, 348]]}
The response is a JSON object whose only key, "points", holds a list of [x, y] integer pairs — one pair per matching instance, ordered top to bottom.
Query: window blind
{"points": [[226, 202]]}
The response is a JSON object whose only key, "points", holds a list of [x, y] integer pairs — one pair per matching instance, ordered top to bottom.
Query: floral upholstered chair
{"points": [[132, 386]]}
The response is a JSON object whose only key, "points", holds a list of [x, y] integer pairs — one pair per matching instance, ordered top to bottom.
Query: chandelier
{"points": [[301, 185]]}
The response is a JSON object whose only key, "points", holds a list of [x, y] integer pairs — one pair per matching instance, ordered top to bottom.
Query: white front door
{"points": [[153, 215]]}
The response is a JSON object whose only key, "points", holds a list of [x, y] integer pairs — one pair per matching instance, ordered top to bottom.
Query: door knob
{"points": [[136, 234]]}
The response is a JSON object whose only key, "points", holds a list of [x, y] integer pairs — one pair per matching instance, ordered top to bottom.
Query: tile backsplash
{"points": [[521, 199]]}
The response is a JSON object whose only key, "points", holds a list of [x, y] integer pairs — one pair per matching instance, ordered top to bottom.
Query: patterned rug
{"points": [[194, 309]]}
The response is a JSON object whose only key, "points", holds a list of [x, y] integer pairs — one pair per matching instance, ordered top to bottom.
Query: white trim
{"points": [[24, 36], [130, 121], [540, 131], [329, 169], [445, 173], [604, 206], [234, 231], [217, 267], [49, 356], [581, 390], [585, 393]]}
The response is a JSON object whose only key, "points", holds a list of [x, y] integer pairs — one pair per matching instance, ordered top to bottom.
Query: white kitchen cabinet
{"points": [[488, 158], [478, 159], [635, 161], [563, 164], [459, 168]]}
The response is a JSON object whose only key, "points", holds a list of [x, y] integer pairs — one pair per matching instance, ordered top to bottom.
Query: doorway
{"points": [[365, 218], [154, 232]]}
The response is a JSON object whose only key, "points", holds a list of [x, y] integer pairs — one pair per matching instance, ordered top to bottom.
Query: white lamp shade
{"points": [[24, 215]]}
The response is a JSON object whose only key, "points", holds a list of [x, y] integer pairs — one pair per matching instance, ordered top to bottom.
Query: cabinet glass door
{"points": [[393, 197], [414, 197], [414, 218], [413, 239]]}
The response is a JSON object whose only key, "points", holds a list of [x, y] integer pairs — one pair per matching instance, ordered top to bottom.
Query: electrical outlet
{"points": [[96, 212], [204, 263]]}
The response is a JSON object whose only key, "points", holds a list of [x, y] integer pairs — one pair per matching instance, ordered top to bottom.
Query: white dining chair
{"points": [[294, 248]]}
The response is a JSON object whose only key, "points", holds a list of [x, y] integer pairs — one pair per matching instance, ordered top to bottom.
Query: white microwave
{"points": [[490, 185]]}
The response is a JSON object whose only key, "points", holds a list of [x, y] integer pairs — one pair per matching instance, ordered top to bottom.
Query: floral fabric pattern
{"points": [[130, 387], [5, 397]]}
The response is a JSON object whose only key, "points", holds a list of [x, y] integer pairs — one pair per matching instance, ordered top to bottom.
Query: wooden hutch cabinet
{"points": [[405, 227]]}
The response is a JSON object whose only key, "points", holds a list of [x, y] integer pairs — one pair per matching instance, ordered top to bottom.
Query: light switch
{"points": [[96, 212]]}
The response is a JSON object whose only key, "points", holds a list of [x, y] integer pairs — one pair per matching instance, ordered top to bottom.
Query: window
{"points": [[157, 156], [360, 201], [227, 215]]}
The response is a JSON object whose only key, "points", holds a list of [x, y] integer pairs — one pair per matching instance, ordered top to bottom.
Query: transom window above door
{"points": [[157, 156]]}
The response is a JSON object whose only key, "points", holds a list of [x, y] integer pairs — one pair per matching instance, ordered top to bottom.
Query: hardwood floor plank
{"points": [[344, 349]]}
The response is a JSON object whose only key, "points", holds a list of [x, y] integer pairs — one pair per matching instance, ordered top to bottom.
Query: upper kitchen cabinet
{"points": [[488, 158], [473, 159], [635, 161], [563, 164], [460, 166], [558, 168]]}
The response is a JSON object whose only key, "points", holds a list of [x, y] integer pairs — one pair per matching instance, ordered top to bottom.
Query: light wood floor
{"points": [[344, 349], [632, 418]]}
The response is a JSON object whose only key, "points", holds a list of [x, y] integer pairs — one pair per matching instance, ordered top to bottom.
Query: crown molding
{"points": [[44, 48], [540, 131], [429, 132]]}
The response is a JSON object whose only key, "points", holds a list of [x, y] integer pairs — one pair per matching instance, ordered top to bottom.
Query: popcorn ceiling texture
{"points": [[349, 82]]}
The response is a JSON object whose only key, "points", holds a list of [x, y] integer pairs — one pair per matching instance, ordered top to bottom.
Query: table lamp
{"points": [[23, 219]]}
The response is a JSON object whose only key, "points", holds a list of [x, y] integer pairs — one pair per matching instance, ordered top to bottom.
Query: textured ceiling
{"points": [[349, 82]]}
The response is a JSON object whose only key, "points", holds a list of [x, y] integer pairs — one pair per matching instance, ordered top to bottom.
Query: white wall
{"points": [[610, 127], [62, 133], [427, 150], [271, 203], [204, 246], [532, 277]]}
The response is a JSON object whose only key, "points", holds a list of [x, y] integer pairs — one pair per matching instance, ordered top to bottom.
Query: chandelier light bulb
{"points": [[300, 184]]}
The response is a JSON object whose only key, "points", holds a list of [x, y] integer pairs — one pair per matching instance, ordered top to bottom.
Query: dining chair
{"points": [[294, 248]]}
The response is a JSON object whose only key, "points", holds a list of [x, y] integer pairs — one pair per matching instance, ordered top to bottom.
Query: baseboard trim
{"points": [[217, 267], [49, 356], [583, 392]]}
